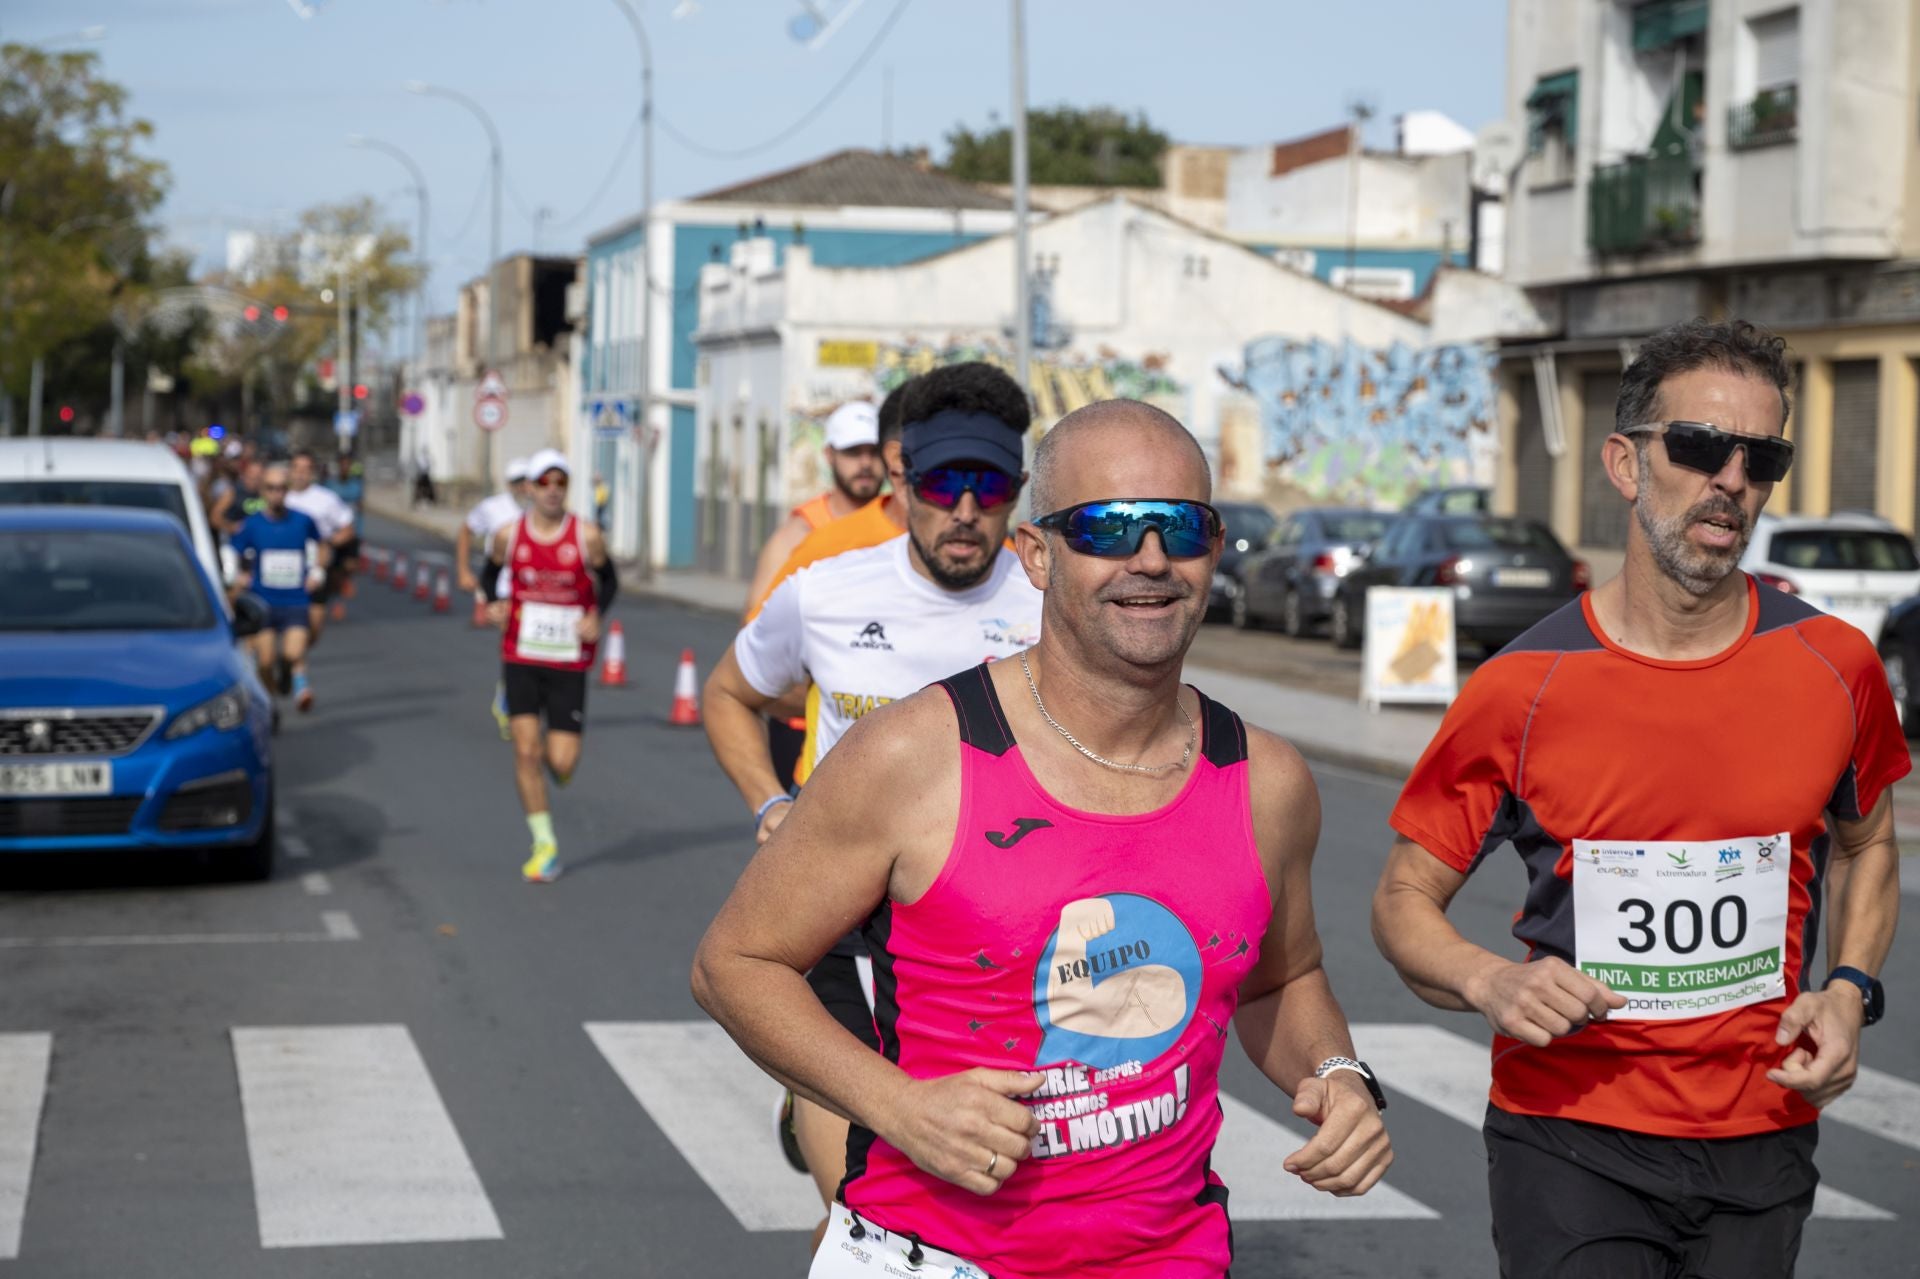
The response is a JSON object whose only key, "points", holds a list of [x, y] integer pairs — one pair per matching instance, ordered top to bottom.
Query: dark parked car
{"points": [[1453, 499], [1249, 525], [1506, 574], [1292, 579], [1900, 653]]}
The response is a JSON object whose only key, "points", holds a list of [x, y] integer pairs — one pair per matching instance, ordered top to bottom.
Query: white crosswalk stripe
{"points": [[1452, 1074], [23, 1089], [1885, 1105], [349, 1140]]}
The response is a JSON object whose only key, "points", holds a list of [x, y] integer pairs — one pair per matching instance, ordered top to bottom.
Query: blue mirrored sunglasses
{"points": [[944, 486], [1114, 530]]}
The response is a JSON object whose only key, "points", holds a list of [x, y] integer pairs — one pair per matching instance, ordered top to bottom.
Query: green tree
{"points": [[1066, 146], [74, 193], [270, 364]]}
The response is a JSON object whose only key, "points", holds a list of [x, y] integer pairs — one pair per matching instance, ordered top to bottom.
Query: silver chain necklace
{"points": [[1193, 732]]}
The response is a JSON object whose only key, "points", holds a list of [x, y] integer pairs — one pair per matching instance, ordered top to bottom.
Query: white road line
{"points": [[295, 846], [315, 884], [335, 924], [1452, 1074], [23, 1087], [1883, 1104], [716, 1107], [349, 1141], [1247, 1156]]}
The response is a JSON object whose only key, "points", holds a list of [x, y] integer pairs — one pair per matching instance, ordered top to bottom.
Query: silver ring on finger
{"points": [[993, 1163]]}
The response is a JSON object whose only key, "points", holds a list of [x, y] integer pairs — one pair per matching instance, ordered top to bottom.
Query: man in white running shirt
{"points": [[488, 516], [334, 518], [877, 624]]}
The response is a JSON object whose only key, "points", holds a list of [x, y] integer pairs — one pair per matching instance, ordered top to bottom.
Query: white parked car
{"points": [[71, 471], [1854, 566]]}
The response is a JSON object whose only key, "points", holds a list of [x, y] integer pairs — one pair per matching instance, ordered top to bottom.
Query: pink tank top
{"points": [[1105, 951]]}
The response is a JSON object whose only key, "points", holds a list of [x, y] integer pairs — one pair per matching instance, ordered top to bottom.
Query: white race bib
{"points": [[283, 570], [549, 632], [1683, 928], [874, 1252]]}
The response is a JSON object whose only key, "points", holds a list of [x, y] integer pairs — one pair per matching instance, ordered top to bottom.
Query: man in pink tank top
{"points": [[1074, 874]]}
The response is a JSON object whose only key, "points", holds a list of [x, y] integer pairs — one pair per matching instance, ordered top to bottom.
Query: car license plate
{"points": [[1536, 578], [56, 779]]}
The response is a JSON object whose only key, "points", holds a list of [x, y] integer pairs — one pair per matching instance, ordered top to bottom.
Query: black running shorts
{"points": [[559, 696], [836, 980], [1580, 1201]]}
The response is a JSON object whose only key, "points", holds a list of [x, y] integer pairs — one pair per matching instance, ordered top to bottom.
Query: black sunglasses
{"points": [[1700, 447], [944, 486], [1115, 529]]}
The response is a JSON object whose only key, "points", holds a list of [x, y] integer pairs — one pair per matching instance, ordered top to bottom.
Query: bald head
{"points": [[1079, 449]]}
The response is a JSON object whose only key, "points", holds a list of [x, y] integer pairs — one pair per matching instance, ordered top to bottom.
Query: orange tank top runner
{"points": [[818, 513]]}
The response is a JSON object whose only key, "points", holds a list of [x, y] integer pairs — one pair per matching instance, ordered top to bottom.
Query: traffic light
{"points": [[252, 313], [280, 314], [360, 390], [66, 412]]}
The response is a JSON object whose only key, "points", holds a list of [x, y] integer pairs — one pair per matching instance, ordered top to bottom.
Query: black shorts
{"points": [[560, 696], [836, 980], [1581, 1201]]}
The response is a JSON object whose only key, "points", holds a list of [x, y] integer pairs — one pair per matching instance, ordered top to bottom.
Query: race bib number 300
{"points": [[1683, 928]]}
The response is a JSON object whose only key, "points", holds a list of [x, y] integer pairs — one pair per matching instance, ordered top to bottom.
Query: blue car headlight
{"points": [[228, 710]]}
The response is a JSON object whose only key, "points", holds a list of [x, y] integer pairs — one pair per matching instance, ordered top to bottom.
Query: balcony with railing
{"points": [[1770, 118], [1644, 203]]}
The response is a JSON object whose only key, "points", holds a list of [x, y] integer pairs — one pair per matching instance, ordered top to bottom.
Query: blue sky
{"points": [[252, 103]]}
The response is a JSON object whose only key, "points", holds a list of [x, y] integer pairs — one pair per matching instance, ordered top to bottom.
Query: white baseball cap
{"points": [[853, 424], [548, 460], [516, 469]]}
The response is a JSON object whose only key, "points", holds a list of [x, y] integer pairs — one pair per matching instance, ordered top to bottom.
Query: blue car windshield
{"points": [[98, 580]]}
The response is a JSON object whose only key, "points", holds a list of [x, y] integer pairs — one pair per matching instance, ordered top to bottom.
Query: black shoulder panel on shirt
{"points": [[1779, 610], [1564, 630], [983, 725], [1223, 738]]}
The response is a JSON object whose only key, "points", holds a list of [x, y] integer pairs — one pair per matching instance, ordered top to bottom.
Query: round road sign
{"points": [[489, 415]]}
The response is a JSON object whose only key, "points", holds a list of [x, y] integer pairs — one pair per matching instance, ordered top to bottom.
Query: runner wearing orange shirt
{"points": [[1690, 765]]}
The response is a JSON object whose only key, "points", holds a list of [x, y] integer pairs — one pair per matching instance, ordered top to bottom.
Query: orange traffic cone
{"points": [[399, 576], [422, 583], [347, 588], [442, 594], [339, 611], [479, 611], [613, 667], [686, 692]]}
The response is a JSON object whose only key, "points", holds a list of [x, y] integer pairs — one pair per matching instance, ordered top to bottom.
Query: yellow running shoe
{"points": [[499, 709], [544, 866]]}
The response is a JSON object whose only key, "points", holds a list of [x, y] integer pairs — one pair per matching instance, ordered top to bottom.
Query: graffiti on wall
{"points": [[1061, 381], [1370, 425]]}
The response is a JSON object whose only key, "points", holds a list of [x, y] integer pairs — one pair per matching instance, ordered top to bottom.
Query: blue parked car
{"points": [[129, 718]]}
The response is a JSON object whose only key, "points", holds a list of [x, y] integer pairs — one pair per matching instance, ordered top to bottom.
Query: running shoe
{"points": [[302, 693], [499, 709], [543, 867], [789, 1139]]}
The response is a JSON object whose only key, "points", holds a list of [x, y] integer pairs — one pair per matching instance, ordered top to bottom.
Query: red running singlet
{"points": [[551, 589], [1106, 951]]}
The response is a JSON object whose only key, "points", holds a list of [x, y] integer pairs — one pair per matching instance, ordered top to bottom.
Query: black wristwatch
{"points": [[1870, 988], [1359, 1068]]}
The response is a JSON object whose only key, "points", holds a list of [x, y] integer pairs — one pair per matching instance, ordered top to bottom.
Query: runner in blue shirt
{"points": [[282, 557]]}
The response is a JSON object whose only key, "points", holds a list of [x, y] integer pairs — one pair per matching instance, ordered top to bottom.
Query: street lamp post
{"points": [[493, 246], [420, 248], [1022, 285], [646, 288]]}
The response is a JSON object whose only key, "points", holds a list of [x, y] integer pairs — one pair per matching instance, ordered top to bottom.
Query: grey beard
{"points": [[1695, 573]]}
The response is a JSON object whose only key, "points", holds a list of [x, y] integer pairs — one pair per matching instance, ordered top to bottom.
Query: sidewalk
{"points": [[1331, 729]]}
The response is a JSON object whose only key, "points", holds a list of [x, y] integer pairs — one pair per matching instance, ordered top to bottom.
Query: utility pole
{"points": [[1022, 285], [343, 359], [36, 383], [648, 506]]}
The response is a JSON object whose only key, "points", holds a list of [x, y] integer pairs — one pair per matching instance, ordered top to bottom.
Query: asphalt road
{"points": [[396, 1058]]}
